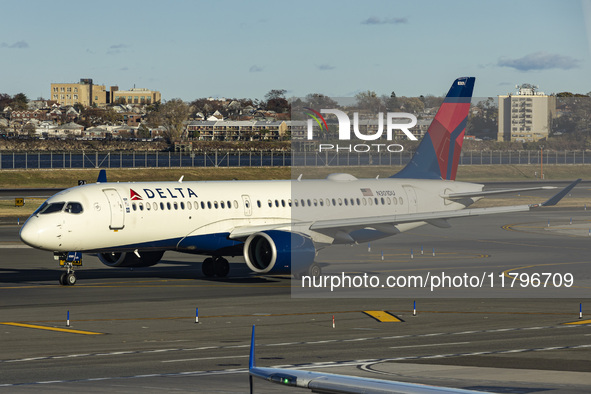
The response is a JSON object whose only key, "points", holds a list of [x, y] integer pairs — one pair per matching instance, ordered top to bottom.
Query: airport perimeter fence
{"points": [[69, 160]]}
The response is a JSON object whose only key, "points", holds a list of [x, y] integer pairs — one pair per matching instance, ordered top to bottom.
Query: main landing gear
{"points": [[215, 266], [313, 270]]}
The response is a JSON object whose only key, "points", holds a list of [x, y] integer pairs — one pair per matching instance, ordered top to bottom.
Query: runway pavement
{"points": [[134, 330]]}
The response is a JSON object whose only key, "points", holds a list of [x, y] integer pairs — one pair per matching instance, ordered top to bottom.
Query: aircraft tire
{"points": [[208, 267], [222, 267], [314, 270], [62, 279], [70, 279]]}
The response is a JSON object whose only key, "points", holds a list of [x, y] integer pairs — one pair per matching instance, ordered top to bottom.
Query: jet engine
{"points": [[279, 252], [124, 259]]}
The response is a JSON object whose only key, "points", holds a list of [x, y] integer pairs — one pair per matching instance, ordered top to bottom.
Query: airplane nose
{"points": [[30, 233]]}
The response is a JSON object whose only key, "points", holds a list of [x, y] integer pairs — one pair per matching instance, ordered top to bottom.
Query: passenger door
{"points": [[116, 207]]}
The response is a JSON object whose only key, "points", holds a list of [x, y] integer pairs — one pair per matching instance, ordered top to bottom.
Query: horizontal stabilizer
{"points": [[560, 195]]}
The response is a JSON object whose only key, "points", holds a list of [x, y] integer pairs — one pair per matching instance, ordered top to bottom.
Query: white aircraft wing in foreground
{"points": [[328, 383]]}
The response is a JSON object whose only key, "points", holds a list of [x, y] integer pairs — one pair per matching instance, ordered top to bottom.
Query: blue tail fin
{"points": [[438, 154], [102, 177]]}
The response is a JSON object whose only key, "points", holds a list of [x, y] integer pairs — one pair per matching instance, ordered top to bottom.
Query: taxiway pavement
{"points": [[136, 330]]}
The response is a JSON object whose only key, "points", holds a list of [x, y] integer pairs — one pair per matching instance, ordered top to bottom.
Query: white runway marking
{"points": [[393, 337], [429, 344], [202, 358], [363, 364]]}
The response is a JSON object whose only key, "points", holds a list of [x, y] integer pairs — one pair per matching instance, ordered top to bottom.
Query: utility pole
{"points": [[541, 161]]}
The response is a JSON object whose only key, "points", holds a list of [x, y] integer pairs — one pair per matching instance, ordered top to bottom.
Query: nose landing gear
{"points": [[68, 261], [68, 278]]}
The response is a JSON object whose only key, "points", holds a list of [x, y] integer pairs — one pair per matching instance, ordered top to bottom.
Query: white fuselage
{"points": [[166, 215]]}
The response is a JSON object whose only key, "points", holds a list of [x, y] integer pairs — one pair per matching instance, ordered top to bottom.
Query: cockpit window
{"points": [[74, 207], [41, 208], [51, 208]]}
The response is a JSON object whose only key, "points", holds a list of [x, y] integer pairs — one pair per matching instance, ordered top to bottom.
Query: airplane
{"points": [[278, 226], [320, 382]]}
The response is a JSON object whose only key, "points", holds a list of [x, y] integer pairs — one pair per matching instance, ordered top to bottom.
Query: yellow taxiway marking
{"points": [[383, 316], [579, 322], [68, 330]]}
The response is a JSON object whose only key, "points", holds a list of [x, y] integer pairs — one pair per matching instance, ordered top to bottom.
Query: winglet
{"points": [[102, 177], [558, 196], [251, 362]]}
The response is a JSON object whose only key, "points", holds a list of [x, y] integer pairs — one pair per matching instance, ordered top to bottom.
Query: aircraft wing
{"points": [[494, 192], [414, 217], [434, 217], [243, 232], [320, 382]]}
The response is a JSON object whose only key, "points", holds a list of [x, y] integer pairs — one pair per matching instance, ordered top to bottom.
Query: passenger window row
{"points": [[333, 201], [189, 205]]}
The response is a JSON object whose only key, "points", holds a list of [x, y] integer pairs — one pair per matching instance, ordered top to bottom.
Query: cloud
{"points": [[374, 20], [17, 45], [117, 49], [540, 61], [325, 67], [255, 69]]}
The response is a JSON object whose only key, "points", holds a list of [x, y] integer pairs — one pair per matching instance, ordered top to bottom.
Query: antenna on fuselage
{"points": [[300, 177], [181, 179]]}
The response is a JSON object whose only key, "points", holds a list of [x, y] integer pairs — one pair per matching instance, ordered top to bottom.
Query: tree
{"points": [[275, 94], [368, 100], [5, 101], [275, 101], [320, 101], [431, 101], [19, 102], [391, 103], [414, 105], [575, 112], [171, 115], [98, 116], [483, 119], [143, 131]]}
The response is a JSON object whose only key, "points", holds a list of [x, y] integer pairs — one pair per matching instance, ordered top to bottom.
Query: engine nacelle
{"points": [[278, 252], [124, 259]]}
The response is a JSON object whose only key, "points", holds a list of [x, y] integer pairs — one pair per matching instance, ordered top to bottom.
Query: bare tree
{"points": [[368, 100], [171, 115]]}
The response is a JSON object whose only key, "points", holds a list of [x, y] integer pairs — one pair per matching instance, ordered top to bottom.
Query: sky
{"points": [[242, 49]]}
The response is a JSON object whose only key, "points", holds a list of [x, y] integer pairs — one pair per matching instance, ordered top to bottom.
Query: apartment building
{"points": [[525, 116], [245, 130]]}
